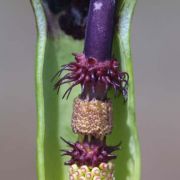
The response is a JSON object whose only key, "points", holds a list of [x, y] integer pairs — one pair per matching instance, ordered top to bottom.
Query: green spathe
{"points": [[54, 114]]}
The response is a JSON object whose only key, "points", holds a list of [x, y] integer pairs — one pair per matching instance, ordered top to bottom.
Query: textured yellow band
{"points": [[92, 117]]}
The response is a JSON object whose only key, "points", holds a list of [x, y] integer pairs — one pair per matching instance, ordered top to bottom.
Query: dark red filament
{"points": [[91, 72], [90, 153]]}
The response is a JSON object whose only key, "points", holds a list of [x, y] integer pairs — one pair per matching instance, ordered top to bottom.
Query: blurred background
{"points": [[155, 42]]}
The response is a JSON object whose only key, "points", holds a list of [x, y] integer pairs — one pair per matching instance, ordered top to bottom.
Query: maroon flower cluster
{"points": [[90, 72], [90, 153]]}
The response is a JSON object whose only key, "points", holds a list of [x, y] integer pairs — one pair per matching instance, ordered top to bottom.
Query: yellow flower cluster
{"points": [[105, 171]]}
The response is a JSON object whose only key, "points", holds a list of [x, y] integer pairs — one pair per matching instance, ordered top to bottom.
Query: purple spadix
{"points": [[100, 29]]}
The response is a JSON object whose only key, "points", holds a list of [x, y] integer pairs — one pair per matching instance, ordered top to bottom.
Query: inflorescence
{"points": [[96, 72]]}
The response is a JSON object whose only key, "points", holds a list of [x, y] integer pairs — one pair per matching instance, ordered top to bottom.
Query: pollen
{"points": [[92, 117]]}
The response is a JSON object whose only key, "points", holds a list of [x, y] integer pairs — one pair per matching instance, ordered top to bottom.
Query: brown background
{"points": [[155, 42]]}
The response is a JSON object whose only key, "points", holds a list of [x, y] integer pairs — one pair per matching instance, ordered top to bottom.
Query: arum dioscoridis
{"points": [[103, 69]]}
